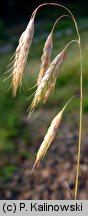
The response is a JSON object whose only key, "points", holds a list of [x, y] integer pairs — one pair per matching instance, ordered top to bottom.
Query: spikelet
{"points": [[22, 50], [45, 59], [54, 78], [47, 79], [48, 92], [51, 134], [49, 137]]}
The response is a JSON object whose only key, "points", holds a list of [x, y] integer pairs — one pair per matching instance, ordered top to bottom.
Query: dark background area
{"points": [[14, 10]]}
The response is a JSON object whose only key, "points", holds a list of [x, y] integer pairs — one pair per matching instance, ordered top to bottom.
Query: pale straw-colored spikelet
{"points": [[47, 50], [21, 55], [45, 59], [54, 78], [47, 79], [48, 92], [49, 137]]}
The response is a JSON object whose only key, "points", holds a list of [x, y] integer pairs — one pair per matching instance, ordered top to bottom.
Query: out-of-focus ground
{"points": [[21, 137], [48, 181]]}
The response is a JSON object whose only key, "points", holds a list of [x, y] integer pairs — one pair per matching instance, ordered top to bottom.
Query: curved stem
{"points": [[62, 6], [59, 18], [72, 41], [69, 102], [80, 119]]}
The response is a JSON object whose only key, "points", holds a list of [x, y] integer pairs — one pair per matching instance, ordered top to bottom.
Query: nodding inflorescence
{"points": [[46, 80]]}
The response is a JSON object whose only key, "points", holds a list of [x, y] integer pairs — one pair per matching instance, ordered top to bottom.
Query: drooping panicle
{"points": [[47, 50], [21, 55], [45, 59], [48, 78], [54, 78]]}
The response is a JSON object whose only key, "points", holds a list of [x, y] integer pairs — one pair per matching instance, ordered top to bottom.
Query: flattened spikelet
{"points": [[21, 55], [45, 59], [54, 78], [47, 79], [48, 92], [51, 134], [49, 137]]}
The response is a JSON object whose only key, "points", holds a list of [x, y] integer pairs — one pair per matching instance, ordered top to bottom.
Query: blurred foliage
{"points": [[3, 35]]}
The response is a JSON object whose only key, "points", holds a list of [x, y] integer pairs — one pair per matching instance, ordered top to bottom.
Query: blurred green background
{"points": [[17, 134]]}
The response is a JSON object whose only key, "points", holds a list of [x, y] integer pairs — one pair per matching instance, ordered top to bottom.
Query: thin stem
{"points": [[62, 6], [59, 18], [72, 41], [69, 102], [80, 130], [69, 190]]}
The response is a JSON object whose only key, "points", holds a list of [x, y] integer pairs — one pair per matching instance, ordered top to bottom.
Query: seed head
{"points": [[21, 55], [45, 59], [48, 78], [54, 78], [49, 137]]}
